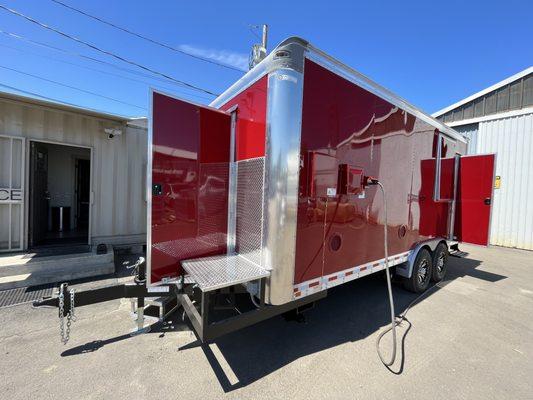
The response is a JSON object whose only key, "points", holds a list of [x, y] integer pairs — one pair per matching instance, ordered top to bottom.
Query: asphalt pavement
{"points": [[471, 337]]}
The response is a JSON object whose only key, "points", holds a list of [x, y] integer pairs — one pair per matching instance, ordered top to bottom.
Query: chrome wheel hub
{"points": [[440, 262], [423, 271]]}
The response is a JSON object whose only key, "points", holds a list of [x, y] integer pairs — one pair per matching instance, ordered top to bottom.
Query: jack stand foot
{"points": [[141, 328], [138, 331]]}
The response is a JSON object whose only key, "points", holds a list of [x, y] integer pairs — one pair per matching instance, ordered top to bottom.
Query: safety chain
{"points": [[71, 317]]}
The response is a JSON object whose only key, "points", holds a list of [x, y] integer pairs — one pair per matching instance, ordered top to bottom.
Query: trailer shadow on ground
{"points": [[349, 313]]}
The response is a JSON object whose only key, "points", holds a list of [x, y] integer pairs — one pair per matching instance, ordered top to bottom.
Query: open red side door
{"points": [[188, 174], [474, 198]]}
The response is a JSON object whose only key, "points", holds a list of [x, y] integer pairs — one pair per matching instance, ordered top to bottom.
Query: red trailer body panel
{"points": [[251, 120], [353, 126], [190, 155], [291, 200]]}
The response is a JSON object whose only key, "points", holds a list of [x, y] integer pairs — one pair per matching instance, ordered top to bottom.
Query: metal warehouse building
{"points": [[499, 120], [69, 176]]}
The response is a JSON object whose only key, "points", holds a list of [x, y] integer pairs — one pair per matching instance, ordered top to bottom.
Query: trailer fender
{"points": [[406, 269]]}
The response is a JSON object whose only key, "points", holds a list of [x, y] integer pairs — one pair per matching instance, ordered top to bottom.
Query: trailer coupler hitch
{"points": [[67, 301]]}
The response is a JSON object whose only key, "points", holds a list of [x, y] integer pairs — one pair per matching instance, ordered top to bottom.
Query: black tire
{"points": [[440, 262], [421, 276]]}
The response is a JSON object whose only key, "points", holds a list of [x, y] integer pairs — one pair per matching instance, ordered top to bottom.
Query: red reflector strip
{"points": [[376, 264], [362, 268], [349, 273], [332, 278], [314, 284], [295, 290]]}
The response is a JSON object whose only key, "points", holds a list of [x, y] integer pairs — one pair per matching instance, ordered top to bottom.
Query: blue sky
{"points": [[431, 53]]}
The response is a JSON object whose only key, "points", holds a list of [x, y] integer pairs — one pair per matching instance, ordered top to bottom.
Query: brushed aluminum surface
{"points": [[282, 165], [221, 271]]}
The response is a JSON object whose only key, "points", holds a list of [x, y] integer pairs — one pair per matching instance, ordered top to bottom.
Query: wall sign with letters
{"points": [[10, 195]]}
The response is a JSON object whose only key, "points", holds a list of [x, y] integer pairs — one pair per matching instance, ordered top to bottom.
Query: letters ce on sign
{"points": [[10, 195]]}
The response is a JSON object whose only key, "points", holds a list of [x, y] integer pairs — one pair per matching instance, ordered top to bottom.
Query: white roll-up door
{"points": [[11, 193]]}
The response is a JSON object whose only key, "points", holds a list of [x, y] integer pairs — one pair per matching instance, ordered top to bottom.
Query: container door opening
{"points": [[59, 194]]}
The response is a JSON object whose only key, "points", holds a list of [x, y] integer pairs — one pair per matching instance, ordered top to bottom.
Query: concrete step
{"points": [[26, 270]]}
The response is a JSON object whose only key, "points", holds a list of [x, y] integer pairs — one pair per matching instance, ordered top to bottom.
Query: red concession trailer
{"points": [[264, 200]]}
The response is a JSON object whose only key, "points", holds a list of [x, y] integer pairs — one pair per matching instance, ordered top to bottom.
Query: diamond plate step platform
{"points": [[458, 253], [217, 272]]}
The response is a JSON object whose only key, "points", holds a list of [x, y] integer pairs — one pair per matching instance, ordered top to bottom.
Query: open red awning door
{"points": [[188, 172], [474, 198]]}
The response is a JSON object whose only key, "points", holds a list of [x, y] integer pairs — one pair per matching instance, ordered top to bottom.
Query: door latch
{"points": [[487, 201]]}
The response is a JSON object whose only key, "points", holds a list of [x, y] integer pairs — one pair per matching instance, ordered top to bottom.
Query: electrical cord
{"points": [[254, 301], [395, 321]]}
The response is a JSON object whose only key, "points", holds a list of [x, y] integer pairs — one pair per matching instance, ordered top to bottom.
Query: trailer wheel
{"points": [[440, 260], [422, 267]]}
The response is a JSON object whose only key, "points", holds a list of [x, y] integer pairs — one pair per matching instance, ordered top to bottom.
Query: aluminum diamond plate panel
{"points": [[249, 223], [216, 272]]}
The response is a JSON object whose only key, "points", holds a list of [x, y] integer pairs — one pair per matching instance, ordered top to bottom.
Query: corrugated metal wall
{"points": [[470, 131], [118, 212], [512, 214]]}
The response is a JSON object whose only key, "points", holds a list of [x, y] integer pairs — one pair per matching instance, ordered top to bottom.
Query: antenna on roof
{"points": [[259, 51]]}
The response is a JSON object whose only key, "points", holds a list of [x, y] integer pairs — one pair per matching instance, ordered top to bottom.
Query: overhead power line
{"points": [[42, 25], [153, 41], [102, 62], [120, 76], [70, 87]]}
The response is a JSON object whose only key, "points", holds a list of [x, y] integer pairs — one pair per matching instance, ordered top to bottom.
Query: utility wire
{"points": [[42, 25], [153, 41], [74, 54], [145, 83], [70, 87]]}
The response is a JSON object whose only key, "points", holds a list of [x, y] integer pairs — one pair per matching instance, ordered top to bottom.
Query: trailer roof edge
{"points": [[343, 70], [367, 83]]}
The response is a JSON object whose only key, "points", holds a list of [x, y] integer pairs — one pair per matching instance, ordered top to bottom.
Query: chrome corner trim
{"points": [[294, 60], [363, 81], [149, 161], [282, 166], [232, 187]]}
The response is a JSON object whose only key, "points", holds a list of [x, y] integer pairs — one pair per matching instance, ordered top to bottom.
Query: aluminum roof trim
{"points": [[268, 65], [358, 78]]}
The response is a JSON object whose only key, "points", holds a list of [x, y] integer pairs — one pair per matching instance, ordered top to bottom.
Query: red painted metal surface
{"points": [[251, 120], [362, 130], [190, 163], [323, 174], [476, 178], [434, 215]]}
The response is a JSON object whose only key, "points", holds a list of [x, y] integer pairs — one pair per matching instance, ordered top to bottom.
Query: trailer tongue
{"points": [[261, 202]]}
